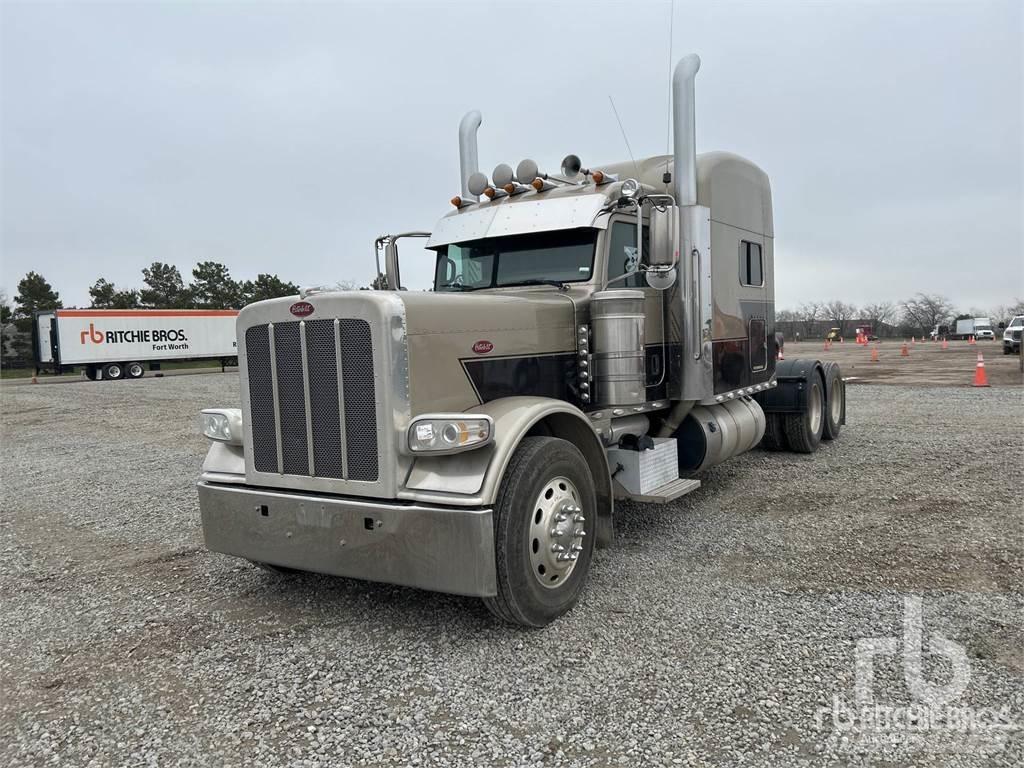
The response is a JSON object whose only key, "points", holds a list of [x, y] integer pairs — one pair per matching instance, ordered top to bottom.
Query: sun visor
{"points": [[519, 217]]}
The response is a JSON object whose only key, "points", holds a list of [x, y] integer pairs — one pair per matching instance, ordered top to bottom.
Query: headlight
{"points": [[222, 424], [449, 433]]}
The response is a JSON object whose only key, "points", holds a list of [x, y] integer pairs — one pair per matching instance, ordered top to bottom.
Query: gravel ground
{"points": [[712, 633]]}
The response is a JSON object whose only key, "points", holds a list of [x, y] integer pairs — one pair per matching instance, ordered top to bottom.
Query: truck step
{"points": [[667, 492]]}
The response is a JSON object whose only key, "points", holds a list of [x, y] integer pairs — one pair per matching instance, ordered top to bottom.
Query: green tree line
{"points": [[211, 287]]}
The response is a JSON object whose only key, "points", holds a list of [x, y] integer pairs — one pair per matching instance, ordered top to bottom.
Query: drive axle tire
{"points": [[113, 371], [835, 401], [803, 430], [774, 433], [544, 523]]}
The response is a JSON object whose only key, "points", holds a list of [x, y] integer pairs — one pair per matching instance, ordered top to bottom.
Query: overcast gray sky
{"points": [[283, 138]]}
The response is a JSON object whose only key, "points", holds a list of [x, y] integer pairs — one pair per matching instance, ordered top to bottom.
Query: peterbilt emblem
{"points": [[301, 309], [482, 347]]}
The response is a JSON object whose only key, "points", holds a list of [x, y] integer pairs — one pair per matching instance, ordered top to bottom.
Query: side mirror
{"points": [[664, 248]]}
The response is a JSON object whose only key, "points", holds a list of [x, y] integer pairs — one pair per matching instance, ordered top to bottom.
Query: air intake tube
{"points": [[710, 434]]}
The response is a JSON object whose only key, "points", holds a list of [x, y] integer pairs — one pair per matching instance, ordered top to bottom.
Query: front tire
{"points": [[803, 430], [544, 523]]}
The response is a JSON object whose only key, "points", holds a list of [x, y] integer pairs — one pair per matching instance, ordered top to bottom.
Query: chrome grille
{"points": [[303, 421]]}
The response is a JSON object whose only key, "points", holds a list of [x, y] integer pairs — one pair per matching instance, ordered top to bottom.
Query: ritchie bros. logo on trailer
{"points": [[144, 336]]}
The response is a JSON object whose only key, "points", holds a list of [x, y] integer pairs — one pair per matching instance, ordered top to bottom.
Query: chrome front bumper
{"points": [[431, 547]]}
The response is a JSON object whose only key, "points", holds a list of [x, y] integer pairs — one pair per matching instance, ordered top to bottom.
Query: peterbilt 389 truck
{"points": [[594, 335]]}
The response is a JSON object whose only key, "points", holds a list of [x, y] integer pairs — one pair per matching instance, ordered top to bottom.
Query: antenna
{"points": [[668, 112], [635, 169]]}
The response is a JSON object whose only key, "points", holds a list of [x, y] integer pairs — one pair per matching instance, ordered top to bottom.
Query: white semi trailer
{"points": [[118, 343]]}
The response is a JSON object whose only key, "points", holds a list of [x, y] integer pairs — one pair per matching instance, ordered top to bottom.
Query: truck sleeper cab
{"points": [[591, 336]]}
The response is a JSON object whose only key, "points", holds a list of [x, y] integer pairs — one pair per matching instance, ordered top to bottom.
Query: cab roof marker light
{"points": [[600, 177], [515, 188]]}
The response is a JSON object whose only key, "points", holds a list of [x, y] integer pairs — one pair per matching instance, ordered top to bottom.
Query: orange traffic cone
{"points": [[913, 340], [970, 340], [945, 344], [905, 350], [780, 355], [874, 355], [980, 379], [35, 380]]}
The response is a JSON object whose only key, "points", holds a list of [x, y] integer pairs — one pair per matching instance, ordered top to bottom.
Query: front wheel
{"points": [[544, 523]]}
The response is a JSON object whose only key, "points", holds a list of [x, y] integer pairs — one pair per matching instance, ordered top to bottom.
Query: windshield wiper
{"points": [[538, 281], [460, 287]]}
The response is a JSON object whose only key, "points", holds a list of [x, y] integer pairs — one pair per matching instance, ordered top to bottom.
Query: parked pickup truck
{"points": [[1011, 335]]}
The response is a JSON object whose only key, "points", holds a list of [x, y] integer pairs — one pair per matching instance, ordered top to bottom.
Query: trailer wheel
{"points": [[135, 370], [113, 371], [90, 372], [835, 392], [803, 430], [774, 433], [544, 523]]}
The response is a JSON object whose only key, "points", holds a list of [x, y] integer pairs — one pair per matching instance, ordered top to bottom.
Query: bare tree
{"points": [[924, 311], [809, 313], [840, 313], [881, 313]]}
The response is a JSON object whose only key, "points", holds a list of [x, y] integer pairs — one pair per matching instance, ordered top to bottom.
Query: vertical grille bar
{"points": [[323, 385], [291, 387], [277, 398], [341, 398], [360, 401], [262, 402], [310, 453]]}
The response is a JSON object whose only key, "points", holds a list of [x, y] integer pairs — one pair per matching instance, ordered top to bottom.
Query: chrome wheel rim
{"points": [[135, 370], [114, 372], [836, 403], [814, 410], [557, 529]]}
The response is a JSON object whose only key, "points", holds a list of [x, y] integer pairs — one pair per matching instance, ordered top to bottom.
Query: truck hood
{"points": [[467, 348]]}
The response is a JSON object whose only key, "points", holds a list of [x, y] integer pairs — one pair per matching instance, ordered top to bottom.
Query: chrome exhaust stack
{"points": [[684, 130], [469, 162]]}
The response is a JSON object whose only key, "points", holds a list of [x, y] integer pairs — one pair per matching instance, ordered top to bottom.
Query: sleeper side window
{"points": [[751, 264]]}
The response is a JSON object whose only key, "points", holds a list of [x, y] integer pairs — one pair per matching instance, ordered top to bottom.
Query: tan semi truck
{"points": [[592, 335]]}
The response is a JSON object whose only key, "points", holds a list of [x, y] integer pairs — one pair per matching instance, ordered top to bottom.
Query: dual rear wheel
{"points": [[115, 371], [822, 419]]}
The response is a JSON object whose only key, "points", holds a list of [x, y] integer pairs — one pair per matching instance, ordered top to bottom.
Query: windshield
{"points": [[565, 256], [1017, 322], [984, 327]]}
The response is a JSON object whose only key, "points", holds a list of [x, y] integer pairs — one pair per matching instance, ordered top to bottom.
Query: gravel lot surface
{"points": [[711, 633]]}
